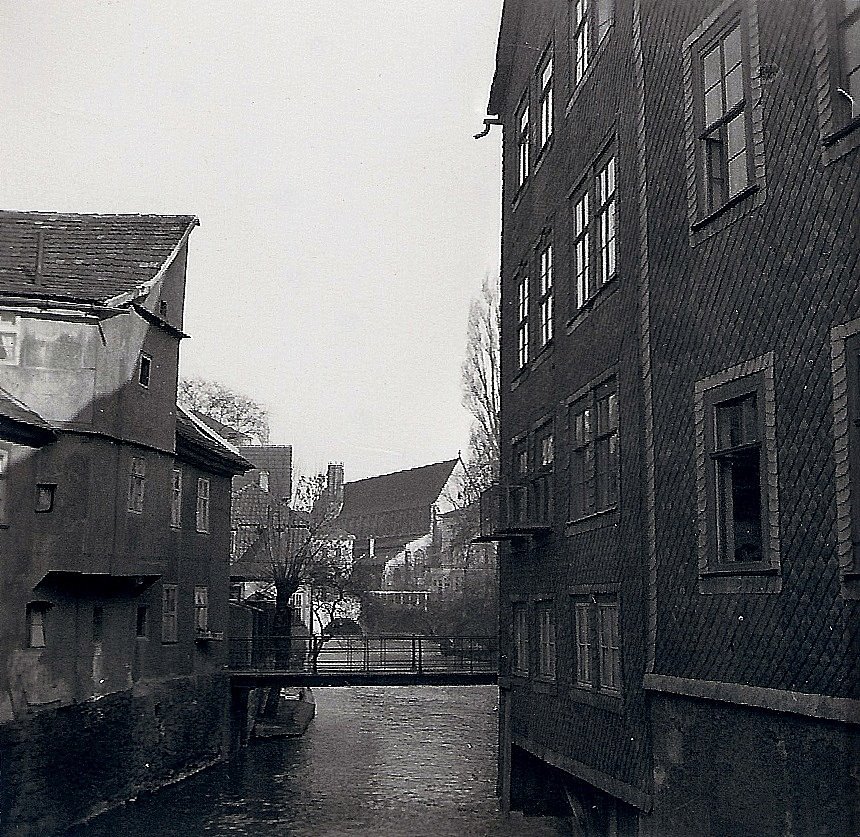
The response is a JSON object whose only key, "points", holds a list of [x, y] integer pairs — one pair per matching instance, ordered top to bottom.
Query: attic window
{"points": [[9, 339]]}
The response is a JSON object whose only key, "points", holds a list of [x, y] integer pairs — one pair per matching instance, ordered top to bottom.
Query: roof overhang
{"points": [[97, 583]]}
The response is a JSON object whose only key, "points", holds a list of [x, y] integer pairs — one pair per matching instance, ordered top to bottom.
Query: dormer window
{"points": [[144, 370]]}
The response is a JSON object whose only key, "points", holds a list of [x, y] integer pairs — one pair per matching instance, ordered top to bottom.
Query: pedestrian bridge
{"points": [[363, 660]]}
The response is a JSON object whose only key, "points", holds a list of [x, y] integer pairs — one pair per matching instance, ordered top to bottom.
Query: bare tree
{"points": [[480, 379], [230, 408]]}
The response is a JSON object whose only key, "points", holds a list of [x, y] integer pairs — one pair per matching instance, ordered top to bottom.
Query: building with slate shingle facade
{"points": [[678, 504], [114, 522]]}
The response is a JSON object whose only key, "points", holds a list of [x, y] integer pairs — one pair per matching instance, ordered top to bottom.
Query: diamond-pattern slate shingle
{"points": [[90, 258]]}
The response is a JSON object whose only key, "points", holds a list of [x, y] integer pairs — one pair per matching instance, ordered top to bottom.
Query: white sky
{"points": [[347, 215]]}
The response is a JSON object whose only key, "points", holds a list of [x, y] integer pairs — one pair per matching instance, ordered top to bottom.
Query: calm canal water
{"points": [[392, 761]]}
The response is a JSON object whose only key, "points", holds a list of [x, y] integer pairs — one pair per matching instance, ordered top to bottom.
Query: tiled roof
{"points": [[91, 258], [223, 430], [194, 433], [277, 460], [415, 488]]}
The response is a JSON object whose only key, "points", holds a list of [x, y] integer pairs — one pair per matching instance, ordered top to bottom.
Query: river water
{"points": [[388, 761]]}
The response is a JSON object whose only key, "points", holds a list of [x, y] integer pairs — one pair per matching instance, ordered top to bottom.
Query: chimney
{"points": [[40, 257], [334, 487]]}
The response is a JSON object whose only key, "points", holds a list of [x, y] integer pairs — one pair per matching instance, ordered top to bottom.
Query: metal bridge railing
{"points": [[365, 654]]}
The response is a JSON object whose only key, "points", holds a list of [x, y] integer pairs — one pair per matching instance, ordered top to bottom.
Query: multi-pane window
{"points": [[589, 23], [545, 101], [724, 141], [523, 142], [605, 209], [594, 231], [581, 249], [546, 295], [523, 319], [9, 339], [144, 370], [594, 452], [737, 464], [542, 478], [4, 479], [136, 485], [176, 498], [202, 505], [201, 609], [169, 611], [545, 612], [36, 624], [582, 633], [597, 642], [609, 646], [520, 649]]}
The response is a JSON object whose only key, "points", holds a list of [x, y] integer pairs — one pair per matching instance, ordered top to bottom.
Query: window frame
{"points": [[589, 28], [546, 101], [839, 131], [523, 139], [705, 220], [594, 231], [546, 291], [523, 318], [13, 328], [144, 370], [845, 370], [585, 438], [5, 466], [137, 485], [43, 489], [176, 498], [203, 504], [716, 573], [201, 609], [35, 613], [169, 613], [141, 625], [546, 636], [520, 650], [598, 665]]}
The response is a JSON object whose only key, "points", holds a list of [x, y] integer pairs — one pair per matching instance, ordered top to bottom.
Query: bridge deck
{"points": [[362, 661]]}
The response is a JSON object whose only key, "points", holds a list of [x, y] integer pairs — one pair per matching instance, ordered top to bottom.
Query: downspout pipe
{"points": [[488, 123]]}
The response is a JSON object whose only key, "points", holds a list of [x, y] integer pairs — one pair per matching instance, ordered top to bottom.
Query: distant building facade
{"points": [[677, 510], [114, 521]]}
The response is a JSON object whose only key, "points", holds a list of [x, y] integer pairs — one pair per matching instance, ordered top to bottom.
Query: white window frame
{"points": [[590, 22], [545, 100], [523, 141], [545, 299], [523, 304], [10, 324], [5, 459], [137, 485], [176, 499], [203, 504], [201, 610], [582, 634], [36, 635], [609, 646]]}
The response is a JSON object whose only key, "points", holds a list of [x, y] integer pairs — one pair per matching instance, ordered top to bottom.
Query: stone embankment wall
{"points": [[67, 764]]}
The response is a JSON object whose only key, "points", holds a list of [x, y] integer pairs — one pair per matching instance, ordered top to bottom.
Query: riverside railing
{"points": [[365, 654]]}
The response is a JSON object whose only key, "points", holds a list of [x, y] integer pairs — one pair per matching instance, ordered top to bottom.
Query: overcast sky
{"points": [[347, 215]]}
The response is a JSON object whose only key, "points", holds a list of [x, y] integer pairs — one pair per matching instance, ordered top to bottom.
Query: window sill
{"points": [[589, 70], [838, 143], [543, 154], [518, 194], [711, 217], [597, 299], [591, 522], [740, 569], [744, 578], [209, 636], [544, 685], [610, 701]]}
